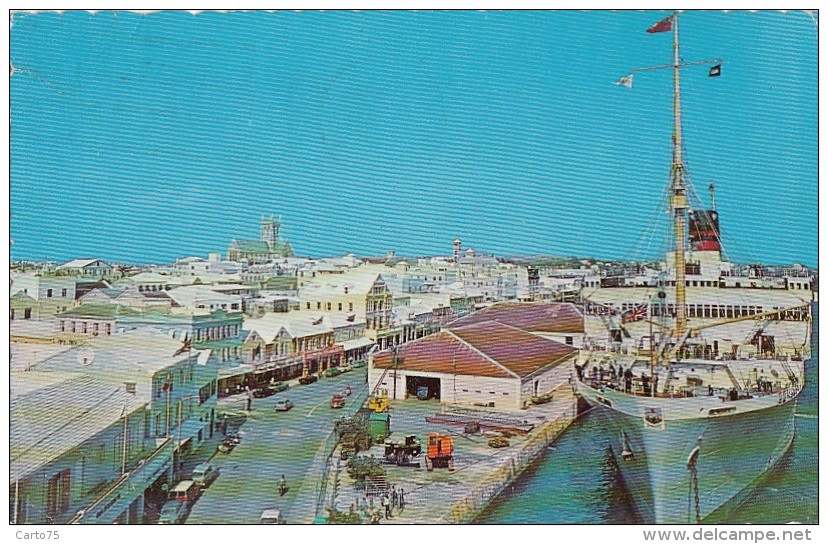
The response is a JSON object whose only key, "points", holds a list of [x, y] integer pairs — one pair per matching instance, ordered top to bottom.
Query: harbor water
{"points": [[575, 482]]}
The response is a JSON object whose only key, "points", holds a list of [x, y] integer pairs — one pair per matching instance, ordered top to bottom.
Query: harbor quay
{"points": [[480, 472]]}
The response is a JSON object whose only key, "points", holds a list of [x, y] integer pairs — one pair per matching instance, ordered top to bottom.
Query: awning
{"points": [[357, 343], [229, 372]]}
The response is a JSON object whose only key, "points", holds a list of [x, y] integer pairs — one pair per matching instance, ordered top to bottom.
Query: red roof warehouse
{"points": [[501, 356]]}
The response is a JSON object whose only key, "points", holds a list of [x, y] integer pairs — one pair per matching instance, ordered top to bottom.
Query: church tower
{"points": [[270, 232]]}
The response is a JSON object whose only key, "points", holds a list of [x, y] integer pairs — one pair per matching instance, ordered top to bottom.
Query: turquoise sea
{"points": [[574, 482]]}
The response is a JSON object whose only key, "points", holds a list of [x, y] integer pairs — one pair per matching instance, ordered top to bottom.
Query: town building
{"points": [[213, 264], [86, 267], [360, 291], [128, 296], [38, 297], [215, 330], [284, 346], [176, 387], [73, 437]]}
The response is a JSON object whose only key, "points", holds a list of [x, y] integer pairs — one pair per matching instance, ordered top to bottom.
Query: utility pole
{"points": [[124, 448]]}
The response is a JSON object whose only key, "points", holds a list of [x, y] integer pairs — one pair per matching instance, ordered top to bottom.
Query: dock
{"points": [[481, 472]]}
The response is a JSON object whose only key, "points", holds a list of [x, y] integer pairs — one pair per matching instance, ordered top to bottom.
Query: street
{"points": [[272, 444]]}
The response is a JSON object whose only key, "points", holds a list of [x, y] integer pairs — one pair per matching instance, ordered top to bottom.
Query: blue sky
{"points": [[143, 138]]}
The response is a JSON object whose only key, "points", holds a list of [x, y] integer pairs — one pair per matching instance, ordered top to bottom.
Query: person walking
{"points": [[401, 498], [386, 502]]}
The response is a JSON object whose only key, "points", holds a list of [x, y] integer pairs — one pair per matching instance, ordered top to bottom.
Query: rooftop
{"points": [[535, 317], [126, 356], [51, 417]]}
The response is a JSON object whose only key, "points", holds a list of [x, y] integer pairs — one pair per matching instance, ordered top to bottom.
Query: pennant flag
{"points": [[662, 26], [715, 71], [625, 81], [712, 185], [186, 345]]}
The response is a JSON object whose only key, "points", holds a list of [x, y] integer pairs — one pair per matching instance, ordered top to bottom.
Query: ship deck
{"points": [[728, 380]]}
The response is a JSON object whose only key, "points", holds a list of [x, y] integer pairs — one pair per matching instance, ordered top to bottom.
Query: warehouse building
{"points": [[500, 362]]}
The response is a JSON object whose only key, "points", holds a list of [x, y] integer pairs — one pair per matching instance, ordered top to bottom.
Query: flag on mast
{"points": [[662, 26], [626, 81]]}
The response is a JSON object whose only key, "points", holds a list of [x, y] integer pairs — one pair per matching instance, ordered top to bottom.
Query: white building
{"points": [[86, 267], [73, 437]]}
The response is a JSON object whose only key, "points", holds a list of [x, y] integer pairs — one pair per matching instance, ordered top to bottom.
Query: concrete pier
{"points": [[481, 472]]}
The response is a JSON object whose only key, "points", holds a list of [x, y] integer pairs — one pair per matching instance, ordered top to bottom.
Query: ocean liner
{"points": [[694, 369]]}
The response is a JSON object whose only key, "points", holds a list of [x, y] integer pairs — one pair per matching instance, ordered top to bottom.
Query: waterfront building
{"points": [[270, 245], [86, 267], [500, 358]]}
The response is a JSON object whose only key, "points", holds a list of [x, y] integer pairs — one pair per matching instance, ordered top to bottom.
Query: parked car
{"points": [[358, 364], [345, 368], [332, 372], [310, 378], [278, 387], [263, 392], [337, 401], [283, 405], [226, 446], [204, 474], [185, 491], [173, 513], [271, 516]]}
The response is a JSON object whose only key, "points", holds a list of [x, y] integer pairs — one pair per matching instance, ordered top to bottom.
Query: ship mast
{"points": [[678, 197]]}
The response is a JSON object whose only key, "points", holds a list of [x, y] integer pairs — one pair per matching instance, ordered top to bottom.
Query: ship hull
{"points": [[735, 453]]}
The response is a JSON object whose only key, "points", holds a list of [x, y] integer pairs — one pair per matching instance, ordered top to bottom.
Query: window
{"points": [[48, 293], [63, 293], [318, 305], [234, 306], [307, 306], [328, 306], [340, 306], [11, 313], [27, 313], [84, 327], [108, 328], [95, 329], [568, 340], [130, 387], [57, 500]]}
